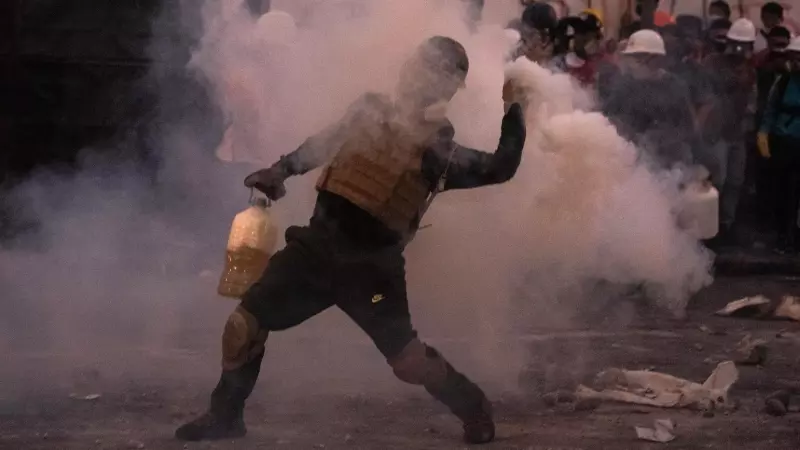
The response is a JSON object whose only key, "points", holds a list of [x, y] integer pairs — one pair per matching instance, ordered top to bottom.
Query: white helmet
{"points": [[277, 27], [742, 30], [645, 42], [794, 46]]}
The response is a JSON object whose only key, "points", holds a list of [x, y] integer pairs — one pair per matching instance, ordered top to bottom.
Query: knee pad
{"points": [[242, 339], [419, 364]]}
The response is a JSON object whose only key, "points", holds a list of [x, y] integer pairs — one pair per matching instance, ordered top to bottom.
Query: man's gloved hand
{"points": [[513, 92], [514, 122], [763, 145], [269, 181]]}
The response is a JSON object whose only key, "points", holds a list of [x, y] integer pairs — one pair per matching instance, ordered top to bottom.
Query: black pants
{"points": [[785, 162], [318, 269]]}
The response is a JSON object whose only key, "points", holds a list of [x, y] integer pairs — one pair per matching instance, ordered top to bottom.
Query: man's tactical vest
{"points": [[379, 169]]}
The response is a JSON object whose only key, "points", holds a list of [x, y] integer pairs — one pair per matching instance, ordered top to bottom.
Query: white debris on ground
{"points": [[748, 306], [761, 307], [753, 350], [662, 390], [85, 397], [662, 432]]}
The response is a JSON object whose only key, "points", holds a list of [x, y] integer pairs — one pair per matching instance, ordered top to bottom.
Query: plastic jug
{"points": [[700, 212], [250, 245]]}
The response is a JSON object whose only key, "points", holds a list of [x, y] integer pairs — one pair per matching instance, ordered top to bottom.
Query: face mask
{"points": [[591, 48], [737, 51]]}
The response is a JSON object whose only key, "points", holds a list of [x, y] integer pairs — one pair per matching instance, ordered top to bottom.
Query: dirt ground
{"points": [[321, 402]]}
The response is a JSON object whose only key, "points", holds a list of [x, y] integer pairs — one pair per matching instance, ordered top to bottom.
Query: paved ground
{"points": [[314, 398]]}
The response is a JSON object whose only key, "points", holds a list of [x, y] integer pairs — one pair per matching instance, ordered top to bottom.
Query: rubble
{"points": [[753, 307], [760, 307], [789, 308], [708, 330], [755, 351], [663, 390], [89, 397], [553, 398], [777, 404], [662, 432]]}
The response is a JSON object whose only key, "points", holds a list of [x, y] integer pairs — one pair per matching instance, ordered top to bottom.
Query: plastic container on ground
{"points": [[700, 212], [250, 245]]}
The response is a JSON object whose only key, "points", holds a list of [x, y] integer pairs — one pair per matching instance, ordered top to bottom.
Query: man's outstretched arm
{"points": [[470, 168]]}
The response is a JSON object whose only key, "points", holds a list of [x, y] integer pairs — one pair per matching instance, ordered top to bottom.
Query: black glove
{"points": [[513, 125], [269, 181]]}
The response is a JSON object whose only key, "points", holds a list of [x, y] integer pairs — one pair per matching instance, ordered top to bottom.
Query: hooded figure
{"points": [[384, 162]]}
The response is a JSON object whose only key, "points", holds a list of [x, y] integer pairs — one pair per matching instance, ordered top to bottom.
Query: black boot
{"points": [[468, 402], [225, 417]]}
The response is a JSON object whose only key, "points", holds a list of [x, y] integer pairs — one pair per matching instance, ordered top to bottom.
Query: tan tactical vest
{"points": [[378, 168]]}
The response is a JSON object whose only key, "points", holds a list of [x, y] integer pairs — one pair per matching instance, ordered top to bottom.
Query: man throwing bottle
{"points": [[386, 160]]}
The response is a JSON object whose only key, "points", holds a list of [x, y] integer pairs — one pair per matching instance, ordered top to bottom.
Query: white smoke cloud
{"points": [[579, 210]]}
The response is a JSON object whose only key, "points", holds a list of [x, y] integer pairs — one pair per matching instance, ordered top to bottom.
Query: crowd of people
{"points": [[718, 93]]}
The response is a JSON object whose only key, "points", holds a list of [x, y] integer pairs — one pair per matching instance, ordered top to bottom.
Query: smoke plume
{"points": [[125, 260]]}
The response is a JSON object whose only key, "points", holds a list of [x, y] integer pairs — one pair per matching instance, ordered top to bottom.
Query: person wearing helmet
{"points": [[771, 17], [537, 29], [582, 36], [740, 39], [732, 80], [649, 106], [779, 143], [386, 160]]}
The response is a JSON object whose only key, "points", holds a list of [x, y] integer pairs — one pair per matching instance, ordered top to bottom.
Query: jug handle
{"points": [[252, 200]]}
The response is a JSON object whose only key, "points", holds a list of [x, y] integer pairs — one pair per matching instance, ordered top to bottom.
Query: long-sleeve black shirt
{"points": [[467, 168]]}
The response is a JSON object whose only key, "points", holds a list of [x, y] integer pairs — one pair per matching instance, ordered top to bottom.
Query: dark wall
{"points": [[70, 76], [86, 77]]}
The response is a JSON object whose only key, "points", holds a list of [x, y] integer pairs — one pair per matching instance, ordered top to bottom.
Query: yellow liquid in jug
{"points": [[243, 267]]}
